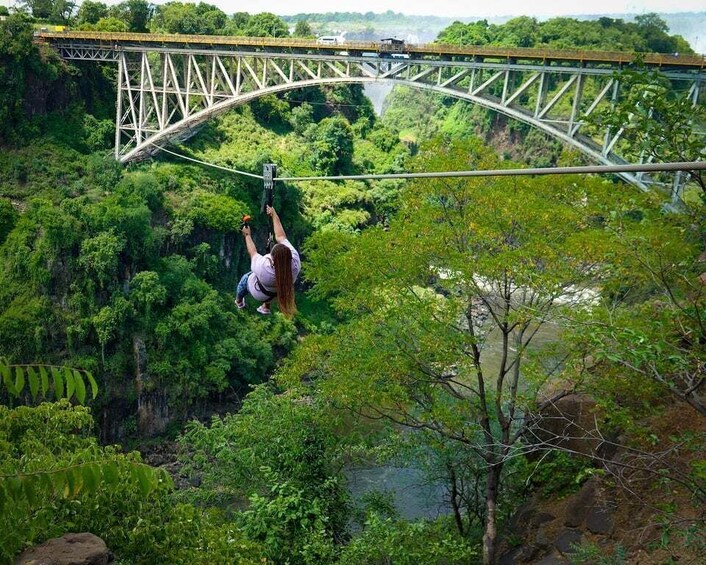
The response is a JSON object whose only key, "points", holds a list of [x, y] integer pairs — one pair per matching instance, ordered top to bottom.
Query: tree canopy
{"points": [[649, 32]]}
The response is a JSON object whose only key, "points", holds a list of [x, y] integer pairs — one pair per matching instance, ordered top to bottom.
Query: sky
{"points": [[463, 8]]}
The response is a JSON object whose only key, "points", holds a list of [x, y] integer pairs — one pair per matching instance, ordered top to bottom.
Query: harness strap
{"points": [[269, 173], [260, 288]]}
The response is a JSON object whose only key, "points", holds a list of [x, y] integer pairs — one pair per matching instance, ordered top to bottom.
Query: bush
{"points": [[138, 525], [385, 540]]}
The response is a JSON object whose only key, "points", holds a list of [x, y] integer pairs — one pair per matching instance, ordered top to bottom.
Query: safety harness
{"points": [[269, 173]]}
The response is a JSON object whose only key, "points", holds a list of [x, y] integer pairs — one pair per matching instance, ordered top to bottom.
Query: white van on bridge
{"points": [[331, 40]]}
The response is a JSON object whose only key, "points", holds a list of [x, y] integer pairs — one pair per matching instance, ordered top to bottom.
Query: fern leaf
{"points": [[44, 377], [7, 379], [19, 379], [66, 381], [33, 382], [58, 382], [92, 382], [70, 384], [80, 387], [90, 477], [84, 478], [58, 482], [46, 483], [73, 483]]}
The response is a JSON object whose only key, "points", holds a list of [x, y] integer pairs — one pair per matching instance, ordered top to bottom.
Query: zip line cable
{"points": [[329, 104], [208, 164], [640, 168], [586, 169]]}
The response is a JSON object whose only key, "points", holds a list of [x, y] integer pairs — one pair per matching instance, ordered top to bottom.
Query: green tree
{"points": [[41, 9], [56, 11], [62, 11], [90, 12], [138, 14], [178, 17], [236, 23], [111, 24], [266, 24], [302, 29], [518, 32], [458, 33], [648, 33], [655, 33], [20, 60], [301, 117], [657, 122], [99, 133], [332, 145], [8, 218], [100, 256], [463, 259], [147, 292], [651, 333], [279, 452], [48, 465]]}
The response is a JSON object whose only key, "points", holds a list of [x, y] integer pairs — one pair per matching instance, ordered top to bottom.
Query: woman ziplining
{"points": [[272, 275]]}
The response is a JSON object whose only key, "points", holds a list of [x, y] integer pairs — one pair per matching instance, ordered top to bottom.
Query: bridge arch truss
{"points": [[164, 92]]}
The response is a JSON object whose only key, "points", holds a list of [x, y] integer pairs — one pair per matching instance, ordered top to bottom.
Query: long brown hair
{"points": [[282, 260]]}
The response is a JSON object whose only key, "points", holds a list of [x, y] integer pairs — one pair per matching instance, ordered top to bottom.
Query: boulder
{"points": [[569, 423], [581, 504], [542, 518], [600, 519], [541, 539], [568, 540], [69, 549], [522, 554], [511, 557], [552, 560]]}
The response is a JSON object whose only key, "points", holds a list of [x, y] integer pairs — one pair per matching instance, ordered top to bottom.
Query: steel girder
{"points": [[164, 92]]}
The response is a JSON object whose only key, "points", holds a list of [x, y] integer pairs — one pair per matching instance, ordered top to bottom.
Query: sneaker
{"points": [[240, 303], [263, 310]]}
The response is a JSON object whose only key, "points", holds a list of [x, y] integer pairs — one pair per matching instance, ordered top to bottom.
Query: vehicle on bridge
{"points": [[330, 40], [392, 47]]}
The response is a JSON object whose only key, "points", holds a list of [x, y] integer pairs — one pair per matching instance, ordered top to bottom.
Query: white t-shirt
{"points": [[263, 273]]}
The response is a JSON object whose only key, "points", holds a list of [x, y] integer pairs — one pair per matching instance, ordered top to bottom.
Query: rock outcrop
{"points": [[552, 538], [69, 549]]}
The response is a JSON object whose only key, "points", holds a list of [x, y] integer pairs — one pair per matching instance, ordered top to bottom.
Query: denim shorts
{"points": [[242, 289]]}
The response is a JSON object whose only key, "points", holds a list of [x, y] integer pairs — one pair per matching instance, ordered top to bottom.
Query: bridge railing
{"points": [[110, 39]]}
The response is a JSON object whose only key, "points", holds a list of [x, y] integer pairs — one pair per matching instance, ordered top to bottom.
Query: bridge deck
{"points": [[424, 51]]}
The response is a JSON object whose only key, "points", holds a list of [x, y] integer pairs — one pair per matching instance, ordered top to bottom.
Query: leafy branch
{"points": [[64, 382], [83, 478]]}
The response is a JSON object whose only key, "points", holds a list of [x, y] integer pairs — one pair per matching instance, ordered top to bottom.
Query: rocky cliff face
{"points": [[43, 96], [152, 405], [634, 510]]}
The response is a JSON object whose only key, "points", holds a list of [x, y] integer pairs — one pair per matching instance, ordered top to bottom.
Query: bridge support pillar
{"points": [[119, 107]]}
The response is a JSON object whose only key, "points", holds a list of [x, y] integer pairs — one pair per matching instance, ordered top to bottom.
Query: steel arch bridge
{"points": [[169, 84]]}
